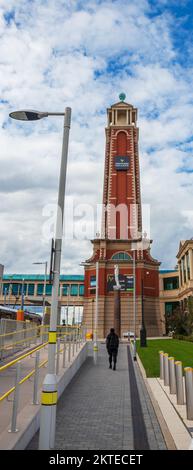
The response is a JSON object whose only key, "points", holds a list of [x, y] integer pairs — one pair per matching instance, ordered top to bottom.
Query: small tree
{"points": [[181, 320]]}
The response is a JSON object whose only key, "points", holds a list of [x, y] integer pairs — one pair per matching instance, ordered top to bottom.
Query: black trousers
{"points": [[112, 356]]}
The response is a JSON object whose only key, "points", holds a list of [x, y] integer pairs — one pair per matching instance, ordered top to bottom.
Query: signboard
{"points": [[121, 163], [125, 280]]}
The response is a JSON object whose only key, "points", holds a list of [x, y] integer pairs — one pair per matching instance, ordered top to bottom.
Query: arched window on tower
{"points": [[121, 144], [121, 256]]}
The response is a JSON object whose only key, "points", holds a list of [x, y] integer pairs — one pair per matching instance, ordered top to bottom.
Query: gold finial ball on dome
{"points": [[122, 96]]}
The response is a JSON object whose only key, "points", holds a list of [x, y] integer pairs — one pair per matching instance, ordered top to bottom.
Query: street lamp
{"points": [[45, 263], [134, 296], [134, 306], [143, 336], [95, 342], [49, 392]]}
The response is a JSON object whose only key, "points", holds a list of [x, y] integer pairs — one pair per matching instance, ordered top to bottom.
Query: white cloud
{"points": [[82, 54]]}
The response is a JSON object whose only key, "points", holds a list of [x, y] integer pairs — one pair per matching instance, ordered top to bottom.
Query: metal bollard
{"points": [[64, 352], [161, 353], [58, 357], [166, 369], [172, 375], [36, 378], [179, 383], [189, 391], [15, 399], [49, 399]]}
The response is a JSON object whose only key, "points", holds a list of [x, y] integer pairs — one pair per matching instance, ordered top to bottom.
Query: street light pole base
{"points": [[143, 340]]}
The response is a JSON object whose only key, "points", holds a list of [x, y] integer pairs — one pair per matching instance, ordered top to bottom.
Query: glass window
{"points": [[121, 256], [188, 264], [180, 265], [184, 268], [93, 281], [171, 283], [5, 288], [15, 289], [20, 289], [30, 289], [40, 289], [48, 289], [65, 289], [74, 289], [81, 289], [170, 307]]}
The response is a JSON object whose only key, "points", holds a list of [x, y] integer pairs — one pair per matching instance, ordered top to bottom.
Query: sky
{"points": [[82, 54]]}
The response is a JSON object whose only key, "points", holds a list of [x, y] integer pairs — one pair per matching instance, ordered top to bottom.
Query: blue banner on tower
{"points": [[121, 163]]}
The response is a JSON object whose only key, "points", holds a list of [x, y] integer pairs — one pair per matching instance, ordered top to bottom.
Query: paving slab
{"points": [[106, 410]]}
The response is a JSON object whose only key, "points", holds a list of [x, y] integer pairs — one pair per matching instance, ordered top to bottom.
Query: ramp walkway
{"points": [[107, 410]]}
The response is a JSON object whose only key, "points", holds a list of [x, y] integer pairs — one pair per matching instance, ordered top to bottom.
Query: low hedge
{"points": [[183, 338]]}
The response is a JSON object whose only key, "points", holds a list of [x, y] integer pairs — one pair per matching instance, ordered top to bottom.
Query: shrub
{"points": [[183, 338]]}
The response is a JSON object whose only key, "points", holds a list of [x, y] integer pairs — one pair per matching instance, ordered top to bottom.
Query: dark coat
{"points": [[112, 342]]}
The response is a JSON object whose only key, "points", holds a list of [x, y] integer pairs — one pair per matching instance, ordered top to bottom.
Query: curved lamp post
{"points": [[49, 392]]}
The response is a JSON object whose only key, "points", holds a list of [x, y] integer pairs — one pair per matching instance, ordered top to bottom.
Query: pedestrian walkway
{"points": [[106, 410]]}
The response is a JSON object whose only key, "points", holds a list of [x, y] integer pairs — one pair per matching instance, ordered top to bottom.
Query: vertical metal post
{"points": [[44, 293], [5, 295], [134, 306], [81, 336], [73, 339], [76, 339], [95, 345], [69, 347], [64, 352], [58, 357], [161, 358], [166, 370], [172, 375], [36, 378], [179, 383], [189, 391], [15, 399], [48, 410]]}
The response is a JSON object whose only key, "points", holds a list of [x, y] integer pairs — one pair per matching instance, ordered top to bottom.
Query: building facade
{"points": [[121, 241], [185, 271], [71, 290], [169, 295]]}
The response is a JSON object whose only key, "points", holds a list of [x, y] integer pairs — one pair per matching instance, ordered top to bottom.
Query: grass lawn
{"points": [[180, 350]]}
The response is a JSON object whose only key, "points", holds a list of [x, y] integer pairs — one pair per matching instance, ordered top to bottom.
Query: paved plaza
{"points": [[105, 409]]}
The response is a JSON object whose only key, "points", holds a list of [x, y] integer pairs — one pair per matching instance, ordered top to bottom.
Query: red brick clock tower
{"points": [[120, 235]]}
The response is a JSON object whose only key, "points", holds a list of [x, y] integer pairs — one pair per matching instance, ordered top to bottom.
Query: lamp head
{"points": [[27, 115]]}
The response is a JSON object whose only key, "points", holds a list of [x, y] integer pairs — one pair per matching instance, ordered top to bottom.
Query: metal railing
{"points": [[16, 335], [69, 342], [171, 372]]}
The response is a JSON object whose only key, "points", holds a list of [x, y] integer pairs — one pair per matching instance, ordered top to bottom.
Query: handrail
{"points": [[21, 331], [24, 340], [11, 345], [25, 355], [6, 366], [34, 372], [28, 375], [22, 381]]}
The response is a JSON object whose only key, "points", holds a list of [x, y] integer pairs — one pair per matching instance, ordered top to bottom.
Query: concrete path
{"points": [[106, 410]]}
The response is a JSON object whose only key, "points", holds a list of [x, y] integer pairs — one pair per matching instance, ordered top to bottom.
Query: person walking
{"points": [[112, 345]]}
